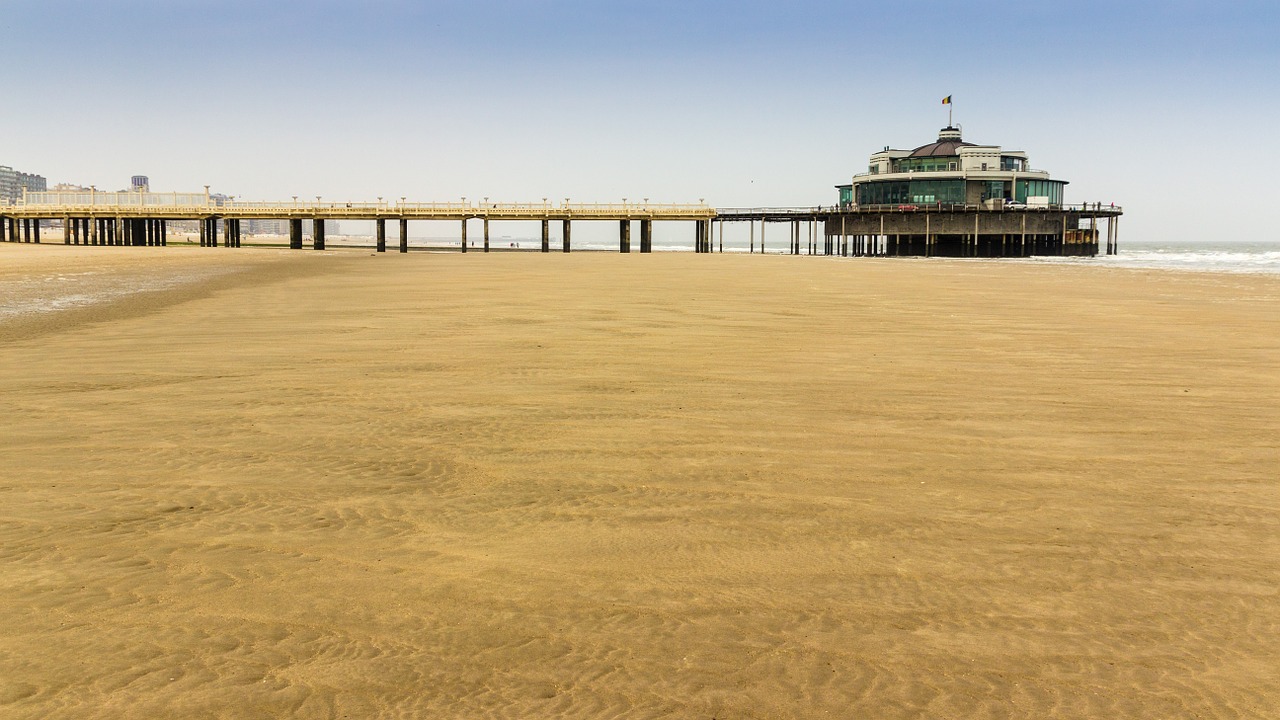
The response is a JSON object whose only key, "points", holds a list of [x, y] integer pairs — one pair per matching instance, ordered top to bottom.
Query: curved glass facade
{"points": [[1051, 189], [916, 192]]}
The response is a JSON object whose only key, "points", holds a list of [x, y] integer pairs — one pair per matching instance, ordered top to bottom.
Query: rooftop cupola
{"points": [[948, 144]]}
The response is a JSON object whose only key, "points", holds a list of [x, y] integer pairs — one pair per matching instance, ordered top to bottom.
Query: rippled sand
{"points": [[343, 485]]}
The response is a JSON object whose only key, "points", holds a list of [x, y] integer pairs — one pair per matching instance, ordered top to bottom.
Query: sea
{"points": [[1226, 256], [1240, 256]]}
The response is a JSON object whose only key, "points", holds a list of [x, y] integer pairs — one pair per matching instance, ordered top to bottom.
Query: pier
{"points": [[896, 230], [997, 231]]}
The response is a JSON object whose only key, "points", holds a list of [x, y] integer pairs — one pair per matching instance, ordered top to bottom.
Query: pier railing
{"points": [[95, 203]]}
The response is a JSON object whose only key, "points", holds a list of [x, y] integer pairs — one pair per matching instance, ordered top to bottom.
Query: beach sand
{"points": [[341, 484]]}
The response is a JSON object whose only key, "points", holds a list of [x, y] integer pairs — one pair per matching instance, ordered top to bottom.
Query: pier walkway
{"points": [[141, 219]]}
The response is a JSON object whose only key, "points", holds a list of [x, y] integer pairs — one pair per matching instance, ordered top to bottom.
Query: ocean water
{"points": [[1226, 256]]}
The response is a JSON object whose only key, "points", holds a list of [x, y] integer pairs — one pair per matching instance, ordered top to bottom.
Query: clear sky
{"points": [[1169, 109]]}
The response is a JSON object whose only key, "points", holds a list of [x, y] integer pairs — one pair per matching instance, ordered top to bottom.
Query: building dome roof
{"points": [[949, 143]]}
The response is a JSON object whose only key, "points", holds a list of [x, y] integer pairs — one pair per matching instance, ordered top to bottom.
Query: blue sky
{"points": [[1166, 108]]}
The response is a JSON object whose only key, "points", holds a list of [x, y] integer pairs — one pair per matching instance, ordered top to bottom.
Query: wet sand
{"points": [[441, 485]]}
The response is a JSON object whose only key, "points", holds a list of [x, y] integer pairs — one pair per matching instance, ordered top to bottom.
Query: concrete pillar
{"points": [[762, 223], [381, 227], [751, 229], [35, 230], [204, 231], [164, 232], [486, 232], [295, 233], [317, 234], [464, 234], [404, 235], [546, 235], [565, 235], [624, 236], [646, 236], [1115, 236], [95, 238]]}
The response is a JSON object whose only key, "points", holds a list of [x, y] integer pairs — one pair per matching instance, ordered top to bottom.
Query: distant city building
{"points": [[951, 172], [13, 182], [140, 183], [68, 187], [266, 227], [331, 227]]}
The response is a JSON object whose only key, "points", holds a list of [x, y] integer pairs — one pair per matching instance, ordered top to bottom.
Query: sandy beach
{"points": [[515, 485]]}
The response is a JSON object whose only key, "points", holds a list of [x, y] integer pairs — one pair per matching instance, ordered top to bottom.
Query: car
{"points": [[1011, 205], [908, 207]]}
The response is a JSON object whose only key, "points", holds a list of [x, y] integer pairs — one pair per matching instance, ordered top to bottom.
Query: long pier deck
{"points": [[141, 219]]}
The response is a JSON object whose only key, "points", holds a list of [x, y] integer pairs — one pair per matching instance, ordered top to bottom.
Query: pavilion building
{"points": [[952, 172]]}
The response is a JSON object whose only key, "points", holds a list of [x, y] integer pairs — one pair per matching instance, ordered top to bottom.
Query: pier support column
{"points": [[35, 230], [751, 230], [66, 231], [381, 231], [164, 232], [204, 232], [486, 232], [295, 234], [317, 234], [464, 234], [404, 235], [546, 235], [565, 235], [624, 236], [646, 236], [721, 236], [1115, 236], [95, 238]]}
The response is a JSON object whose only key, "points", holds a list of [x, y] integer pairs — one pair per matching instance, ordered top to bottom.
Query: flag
{"points": [[946, 100]]}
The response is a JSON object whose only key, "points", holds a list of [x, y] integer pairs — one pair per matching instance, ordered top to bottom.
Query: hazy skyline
{"points": [[747, 103]]}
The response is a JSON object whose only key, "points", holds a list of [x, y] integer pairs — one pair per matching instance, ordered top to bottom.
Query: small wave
{"points": [[1211, 260]]}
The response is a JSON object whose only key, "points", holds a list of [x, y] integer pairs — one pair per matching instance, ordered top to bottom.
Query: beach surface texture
{"points": [[255, 483]]}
